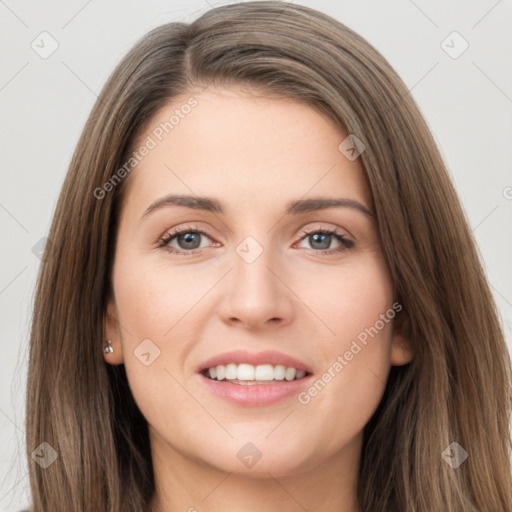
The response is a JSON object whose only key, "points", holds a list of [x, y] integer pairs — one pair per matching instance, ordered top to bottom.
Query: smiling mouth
{"points": [[249, 375]]}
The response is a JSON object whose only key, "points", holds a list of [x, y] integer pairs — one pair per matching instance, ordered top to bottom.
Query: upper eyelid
{"points": [[303, 232]]}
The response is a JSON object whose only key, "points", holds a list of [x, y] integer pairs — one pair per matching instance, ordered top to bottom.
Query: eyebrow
{"points": [[292, 208]]}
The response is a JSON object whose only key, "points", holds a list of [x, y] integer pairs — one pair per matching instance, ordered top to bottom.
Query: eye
{"points": [[188, 240], [320, 240]]}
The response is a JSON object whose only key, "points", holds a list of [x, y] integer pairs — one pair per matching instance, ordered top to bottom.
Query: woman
{"points": [[194, 348]]}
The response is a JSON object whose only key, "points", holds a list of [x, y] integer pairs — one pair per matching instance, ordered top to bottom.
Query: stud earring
{"points": [[108, 348]]}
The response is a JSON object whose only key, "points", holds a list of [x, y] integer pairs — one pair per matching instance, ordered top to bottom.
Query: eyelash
{"points": [[169, 237]]}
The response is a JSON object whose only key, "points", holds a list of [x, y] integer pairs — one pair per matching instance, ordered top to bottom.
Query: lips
{"points": [[268, 357], [277, 377]]}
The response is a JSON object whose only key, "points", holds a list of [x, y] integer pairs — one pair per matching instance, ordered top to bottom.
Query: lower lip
{"points": [[257, 394]]}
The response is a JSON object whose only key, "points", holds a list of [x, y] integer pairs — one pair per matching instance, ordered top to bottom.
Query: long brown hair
{"points": [[457, 388]]}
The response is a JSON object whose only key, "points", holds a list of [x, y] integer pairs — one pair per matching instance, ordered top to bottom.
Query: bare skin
{"points": [[254, 155]]}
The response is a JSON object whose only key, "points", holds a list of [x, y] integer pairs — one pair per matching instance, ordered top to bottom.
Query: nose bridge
{"points": [[252, 277], [255, 293]]}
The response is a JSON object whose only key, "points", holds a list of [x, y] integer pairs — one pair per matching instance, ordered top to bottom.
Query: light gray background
{"points": [[44, 103]]}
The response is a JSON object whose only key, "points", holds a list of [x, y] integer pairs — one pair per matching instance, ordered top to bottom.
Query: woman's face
{"points": [[252, 287]]}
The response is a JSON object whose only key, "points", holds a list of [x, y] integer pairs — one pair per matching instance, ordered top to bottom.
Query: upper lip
{"points": [[254, 358]]}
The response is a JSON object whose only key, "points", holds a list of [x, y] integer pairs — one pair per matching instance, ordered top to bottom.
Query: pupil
{"points": [[188, 239], [326, 241]]}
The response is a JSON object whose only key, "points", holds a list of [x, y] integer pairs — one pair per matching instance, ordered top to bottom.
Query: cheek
{"points": [[150, 300], [350, 301], [150, 305], [159, 308], [356, 351]]}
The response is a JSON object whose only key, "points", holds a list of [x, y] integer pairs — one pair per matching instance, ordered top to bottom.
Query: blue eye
{"points": [[322, 238], [188, 240]]}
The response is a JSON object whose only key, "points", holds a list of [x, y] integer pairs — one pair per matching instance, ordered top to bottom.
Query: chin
{"points": [[258, 459]]}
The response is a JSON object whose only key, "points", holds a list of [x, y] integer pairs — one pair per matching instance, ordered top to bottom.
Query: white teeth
{"points": [[231, 371], [221, 372], [244, 372], [248, 372], [264, 372], [279, 372], [289, 374]]}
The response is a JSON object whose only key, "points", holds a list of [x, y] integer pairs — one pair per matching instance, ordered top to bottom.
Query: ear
{"points": [[112, 333], [402, 346]]}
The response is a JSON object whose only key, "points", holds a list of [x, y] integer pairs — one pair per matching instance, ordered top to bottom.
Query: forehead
{"points": [[249, 148]]}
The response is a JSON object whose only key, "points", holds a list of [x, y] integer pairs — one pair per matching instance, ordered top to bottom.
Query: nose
{"points": [[256, 294]]}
